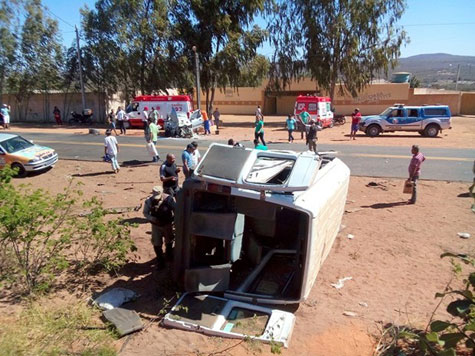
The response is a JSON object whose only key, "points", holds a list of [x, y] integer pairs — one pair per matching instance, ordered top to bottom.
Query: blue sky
{"points": [[434, 26]]}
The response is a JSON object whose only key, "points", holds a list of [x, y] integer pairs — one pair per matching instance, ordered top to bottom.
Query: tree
{"points": [[8, 40], [225, 41], [335, 42], [39, 60], [414, 82]]}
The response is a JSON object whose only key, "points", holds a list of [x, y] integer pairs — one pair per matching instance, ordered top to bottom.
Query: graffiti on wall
{"points": [[372, 98]]}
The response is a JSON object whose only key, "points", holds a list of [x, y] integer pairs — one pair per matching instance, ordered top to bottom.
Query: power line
{"points": [[52, 13], [440, 24]]}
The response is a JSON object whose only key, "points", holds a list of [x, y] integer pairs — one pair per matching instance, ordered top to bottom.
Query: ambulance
{"points": [[162, 103], [319, 108]]}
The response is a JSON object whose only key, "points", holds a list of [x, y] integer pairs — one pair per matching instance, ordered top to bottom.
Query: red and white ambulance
{"points": [[162, 103], [319, 108]]}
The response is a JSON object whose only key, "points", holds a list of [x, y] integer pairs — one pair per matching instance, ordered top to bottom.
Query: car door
{"points": [[395, 119], [413, 120]]}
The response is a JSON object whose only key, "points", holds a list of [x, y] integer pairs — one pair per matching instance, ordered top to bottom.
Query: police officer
{"points": [[159, 210]]}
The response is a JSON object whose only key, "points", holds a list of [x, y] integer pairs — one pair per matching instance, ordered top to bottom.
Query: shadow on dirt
{"points": [[93, 174], [385, 205]]}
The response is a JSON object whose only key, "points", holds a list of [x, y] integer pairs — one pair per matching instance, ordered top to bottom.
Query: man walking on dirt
{"points": [[216, 115], [122, 118], [304, 118], [290, 123], [355, 123], [111, 148], [415, 170], [158, 209]]}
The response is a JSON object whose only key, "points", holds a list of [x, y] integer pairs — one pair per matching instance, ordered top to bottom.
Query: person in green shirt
{"points": [[305, 118], [290, 123], [153, 131], [259, 131], [258, 146]]}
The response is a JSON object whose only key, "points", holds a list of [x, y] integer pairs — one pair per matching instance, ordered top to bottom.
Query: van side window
{"points": [[435, 112]]}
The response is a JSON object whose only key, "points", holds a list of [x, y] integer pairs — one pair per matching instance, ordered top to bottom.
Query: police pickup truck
{"points": [[427, 120]]}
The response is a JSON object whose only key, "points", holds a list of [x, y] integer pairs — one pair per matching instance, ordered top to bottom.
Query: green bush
{"points": [[42, 235]]}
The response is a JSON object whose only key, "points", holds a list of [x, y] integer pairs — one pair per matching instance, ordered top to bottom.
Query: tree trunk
{"points": [[211, 102]]}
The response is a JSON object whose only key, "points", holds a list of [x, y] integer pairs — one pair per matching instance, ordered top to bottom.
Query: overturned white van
{"points": [[253, 227]]}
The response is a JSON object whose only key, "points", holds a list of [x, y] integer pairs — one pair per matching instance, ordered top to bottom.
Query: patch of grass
{"points": [[57, 330]]}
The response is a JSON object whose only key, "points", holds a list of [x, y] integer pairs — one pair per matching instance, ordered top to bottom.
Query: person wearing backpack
{"points": [[159, 210]]}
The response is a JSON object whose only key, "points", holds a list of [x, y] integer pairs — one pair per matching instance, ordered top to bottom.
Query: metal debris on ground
{"points": [[464, 235], [350, 236], [341, 282], [114, 298]]}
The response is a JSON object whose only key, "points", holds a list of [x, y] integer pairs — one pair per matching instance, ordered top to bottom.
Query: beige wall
{"points": [[452, 99], [241, 101], [467, 105], [39, 108]]}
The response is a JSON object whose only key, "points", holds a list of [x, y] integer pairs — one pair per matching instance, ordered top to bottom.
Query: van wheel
{"points": [[332, 123], [373, 130], [431, 130], [21, 170]]}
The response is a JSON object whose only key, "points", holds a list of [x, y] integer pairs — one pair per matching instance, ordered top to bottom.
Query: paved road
{"points": [[441, 164]]}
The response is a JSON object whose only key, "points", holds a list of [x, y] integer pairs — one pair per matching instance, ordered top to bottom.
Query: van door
{"points": [[277, 171], [222, 317]]}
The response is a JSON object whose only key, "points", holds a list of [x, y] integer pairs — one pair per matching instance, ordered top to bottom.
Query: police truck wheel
{"points": [[373, 130], [431, 130]]}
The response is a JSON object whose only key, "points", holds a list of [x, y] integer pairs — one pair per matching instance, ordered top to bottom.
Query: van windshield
{"points": [[386, 112]]}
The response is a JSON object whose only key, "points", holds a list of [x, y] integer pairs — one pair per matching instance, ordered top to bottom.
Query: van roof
{"points": [[162, 98], [312, 99]]}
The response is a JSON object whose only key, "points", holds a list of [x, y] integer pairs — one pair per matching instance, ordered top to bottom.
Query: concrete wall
{"points": [[450, 98], [241, 101], [467, 105], [39, 107]]}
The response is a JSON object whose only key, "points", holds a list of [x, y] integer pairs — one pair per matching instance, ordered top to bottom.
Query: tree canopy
{"points": [[334, 41]]}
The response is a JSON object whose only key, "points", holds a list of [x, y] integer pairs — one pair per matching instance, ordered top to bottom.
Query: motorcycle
{"points": [[81, 119], [339, 119]]}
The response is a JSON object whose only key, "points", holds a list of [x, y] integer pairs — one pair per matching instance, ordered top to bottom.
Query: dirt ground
{"points": [[240, 128], [393, 258]]}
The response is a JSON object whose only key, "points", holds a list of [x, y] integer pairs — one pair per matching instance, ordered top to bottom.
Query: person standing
{"points": [[5, 111], [154, 115], [216, 115], [259, 115], [57, 116], [304, 118], [121, 119], [112, 121], [206, 122], [290, 123], [355, 123], [153, 131], [259, 131], [312, 136], [111, 148], [152, 150], [196, 157], [187, 160], [415, 171], [169, 175], [159, 210]]}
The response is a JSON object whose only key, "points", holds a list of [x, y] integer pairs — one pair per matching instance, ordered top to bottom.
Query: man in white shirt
{"points": [[259, 113], [121, 118], [111, 148], [195, 156]]}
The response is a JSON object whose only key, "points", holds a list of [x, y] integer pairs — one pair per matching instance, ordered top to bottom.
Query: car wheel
{"points": [[332, 123], [373, 130], [431, 130], [21, 170]]}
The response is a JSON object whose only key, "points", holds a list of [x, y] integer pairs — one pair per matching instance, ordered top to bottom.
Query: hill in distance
{"points": [[439, 70]]}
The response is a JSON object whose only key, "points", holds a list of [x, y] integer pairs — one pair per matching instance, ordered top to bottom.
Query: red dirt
{"points": [[393, 260]]}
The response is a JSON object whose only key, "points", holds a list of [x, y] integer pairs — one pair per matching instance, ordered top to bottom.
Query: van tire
{"points": [[373, 130], [431, 130], [21, 170]]}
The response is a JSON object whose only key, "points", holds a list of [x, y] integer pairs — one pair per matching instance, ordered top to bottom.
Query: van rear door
{"points": [[223, 317]]}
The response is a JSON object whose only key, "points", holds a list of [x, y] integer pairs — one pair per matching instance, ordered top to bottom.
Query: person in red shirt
{"points": [[355, 123], [415, 170]]}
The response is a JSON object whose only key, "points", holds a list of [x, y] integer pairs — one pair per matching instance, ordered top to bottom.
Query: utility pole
{"points": [[80, 70], [458, 76], [198, 90]]}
